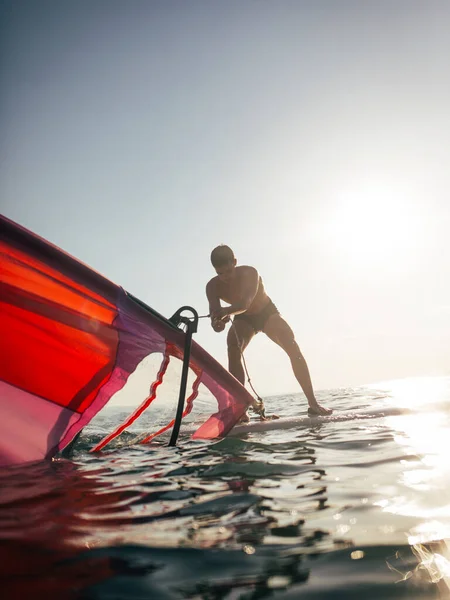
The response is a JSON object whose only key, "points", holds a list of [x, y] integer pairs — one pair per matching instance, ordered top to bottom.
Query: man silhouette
{"points": [[242, 288]]}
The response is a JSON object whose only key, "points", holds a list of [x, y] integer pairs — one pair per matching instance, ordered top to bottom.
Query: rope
{"points": [[260, 410]]}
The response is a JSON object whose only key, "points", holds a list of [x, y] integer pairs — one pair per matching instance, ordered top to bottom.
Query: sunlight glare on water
{"points": [[425, 433]]}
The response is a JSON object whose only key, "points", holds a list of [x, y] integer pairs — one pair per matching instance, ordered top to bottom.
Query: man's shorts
{"points": [[258, 320]]}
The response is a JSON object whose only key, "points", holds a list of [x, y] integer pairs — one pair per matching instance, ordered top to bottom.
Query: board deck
{"points": [[306, 421], [256, 425]]}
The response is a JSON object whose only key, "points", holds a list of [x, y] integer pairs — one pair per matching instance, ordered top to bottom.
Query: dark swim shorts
{"points": [[258, 320]]}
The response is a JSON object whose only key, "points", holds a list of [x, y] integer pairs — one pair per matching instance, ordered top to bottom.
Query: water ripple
{"points": [[324, 511]]}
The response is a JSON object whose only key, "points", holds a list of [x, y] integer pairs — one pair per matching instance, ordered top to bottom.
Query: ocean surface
{"points": [[352, 509]]}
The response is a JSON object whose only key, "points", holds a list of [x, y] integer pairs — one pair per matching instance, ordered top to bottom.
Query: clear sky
{"points": [[310, 136]]}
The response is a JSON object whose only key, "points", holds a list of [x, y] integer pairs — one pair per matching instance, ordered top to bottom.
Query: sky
{"points": [[310, 136]]}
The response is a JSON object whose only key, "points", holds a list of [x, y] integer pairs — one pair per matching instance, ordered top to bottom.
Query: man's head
{"points": [[224, 262]]}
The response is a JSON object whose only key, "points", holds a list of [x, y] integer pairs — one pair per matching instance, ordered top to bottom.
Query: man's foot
{"points": [[316, 410], [271, 417]]}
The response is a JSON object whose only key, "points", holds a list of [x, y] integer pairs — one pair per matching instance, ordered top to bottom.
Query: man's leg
{"points": [[279, 332], [239, 336]]}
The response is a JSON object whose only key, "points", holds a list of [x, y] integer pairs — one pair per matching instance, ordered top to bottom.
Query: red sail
{"points": [[69, 340]]}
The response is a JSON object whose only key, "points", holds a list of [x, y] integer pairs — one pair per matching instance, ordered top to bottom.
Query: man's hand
{"points": [[221, 314], [218, 326]]}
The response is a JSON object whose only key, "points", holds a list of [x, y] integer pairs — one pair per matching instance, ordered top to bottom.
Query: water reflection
{"points": [[425, 434], [425, 481], [321, 506], [105, 520]]}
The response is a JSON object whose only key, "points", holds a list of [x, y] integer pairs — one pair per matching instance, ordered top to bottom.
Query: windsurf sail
{"points": [[70, 338]]}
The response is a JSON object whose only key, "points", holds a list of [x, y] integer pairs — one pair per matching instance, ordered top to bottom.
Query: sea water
{"points": [[351, 509]]}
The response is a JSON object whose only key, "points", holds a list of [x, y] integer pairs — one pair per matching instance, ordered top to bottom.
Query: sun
{"points": [[373, 225]]}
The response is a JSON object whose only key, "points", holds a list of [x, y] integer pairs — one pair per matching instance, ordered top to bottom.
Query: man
{"points": [[242, 288]]}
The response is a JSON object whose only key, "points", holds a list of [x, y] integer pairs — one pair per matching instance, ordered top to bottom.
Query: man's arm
{"points": [[248, 292], [214, 306]]}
